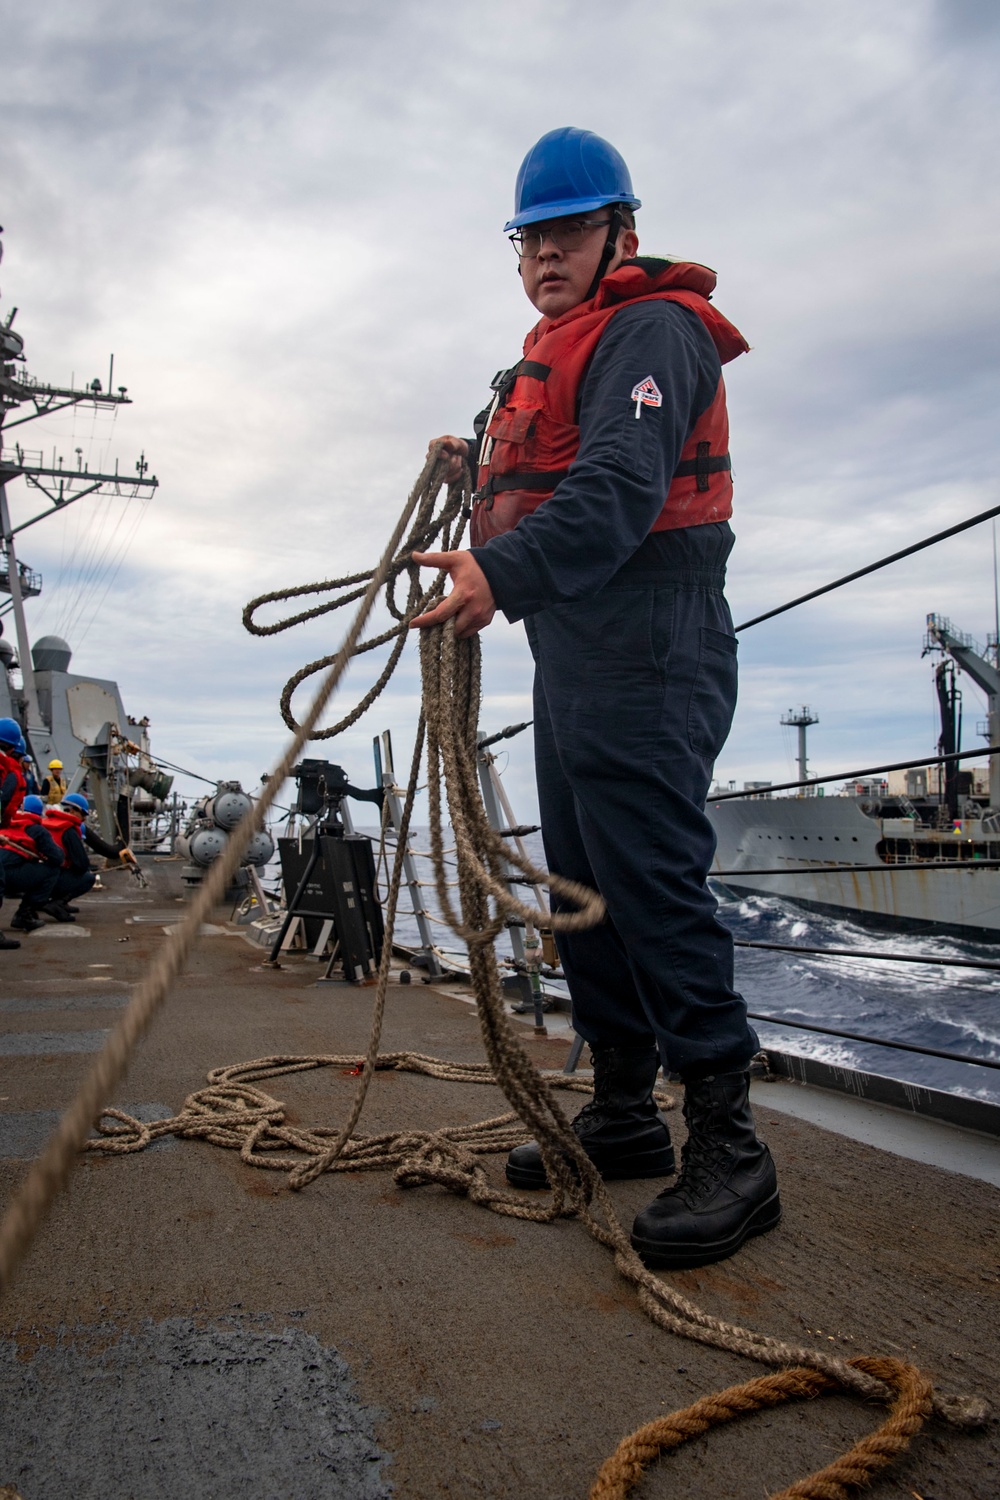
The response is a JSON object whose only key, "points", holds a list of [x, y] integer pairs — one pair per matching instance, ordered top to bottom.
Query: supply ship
{"points": [[923, 859]]}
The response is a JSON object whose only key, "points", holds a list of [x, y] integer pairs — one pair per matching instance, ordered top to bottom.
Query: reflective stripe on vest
{"points": [[532, 435]]}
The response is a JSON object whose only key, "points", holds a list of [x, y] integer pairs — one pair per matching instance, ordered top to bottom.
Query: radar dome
{"points": [[51, 653]]}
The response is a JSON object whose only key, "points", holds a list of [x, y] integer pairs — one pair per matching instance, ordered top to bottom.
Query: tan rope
{"points": [[231, 1113], [49, 1172], [911, 1407]]}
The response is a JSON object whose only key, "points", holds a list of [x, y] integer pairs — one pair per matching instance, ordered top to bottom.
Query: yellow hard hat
{"points": [[55, 765]]}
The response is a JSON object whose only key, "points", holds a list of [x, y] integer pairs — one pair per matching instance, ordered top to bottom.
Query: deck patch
{"points": [[92, 1000], [46, 1043], [23, 1134], [176, 1409]]}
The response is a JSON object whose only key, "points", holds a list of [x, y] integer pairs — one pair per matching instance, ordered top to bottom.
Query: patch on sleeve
{"points": [[646, 393]]}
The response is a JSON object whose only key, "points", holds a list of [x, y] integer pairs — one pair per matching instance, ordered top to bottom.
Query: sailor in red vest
{"points": [[603, 489], [13, 781], [67, 823], [31, 861]]}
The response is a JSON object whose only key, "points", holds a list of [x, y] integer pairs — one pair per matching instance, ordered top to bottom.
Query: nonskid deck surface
{"points": [[186, 1325]]}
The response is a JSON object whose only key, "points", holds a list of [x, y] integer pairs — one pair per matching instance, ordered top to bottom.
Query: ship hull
{"points": [[761, 834]]}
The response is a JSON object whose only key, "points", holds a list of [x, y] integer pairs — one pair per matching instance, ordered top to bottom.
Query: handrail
{"points": [[763, 791], [889, 958], [877, 1041]]}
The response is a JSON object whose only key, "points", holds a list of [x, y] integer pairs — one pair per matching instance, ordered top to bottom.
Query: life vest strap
{"points": [[703, 465], [690, 468], [497, 483]]}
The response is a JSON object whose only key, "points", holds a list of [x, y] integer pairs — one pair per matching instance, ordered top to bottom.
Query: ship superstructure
{"points": [[78, 719], [927, 858]]}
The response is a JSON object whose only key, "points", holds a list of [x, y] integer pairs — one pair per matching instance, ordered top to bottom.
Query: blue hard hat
{"points": [[569, 171], [10, 732], [74, 799], [33, 805]]}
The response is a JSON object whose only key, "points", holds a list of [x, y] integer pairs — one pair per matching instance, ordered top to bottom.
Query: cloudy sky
{"points": [[285, 223]]}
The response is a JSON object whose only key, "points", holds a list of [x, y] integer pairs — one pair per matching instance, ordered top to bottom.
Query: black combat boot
{"points": [[58, 910], [26, 919], [621, 1129], [727, 1190]]}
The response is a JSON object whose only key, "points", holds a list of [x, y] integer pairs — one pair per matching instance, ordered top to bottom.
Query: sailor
{"points": [[601, 519], [13, 782], [54, 786], [67, 823], [31, 862]]}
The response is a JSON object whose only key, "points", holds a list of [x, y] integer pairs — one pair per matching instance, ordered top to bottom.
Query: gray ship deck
{"points": [[172, 1331]]}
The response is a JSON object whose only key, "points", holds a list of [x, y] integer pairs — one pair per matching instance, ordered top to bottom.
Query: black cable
{"points": [[883, 562], [166, 765], [899, 765], [847, 869], [894, 958], [876, 1041]]}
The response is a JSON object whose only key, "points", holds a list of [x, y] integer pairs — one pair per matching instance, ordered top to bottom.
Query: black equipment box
{"points": [[340, 889]]}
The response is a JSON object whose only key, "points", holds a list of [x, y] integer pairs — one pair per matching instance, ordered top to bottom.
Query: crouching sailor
{"points": [[601, 519], [67, 823], [31, 862]]}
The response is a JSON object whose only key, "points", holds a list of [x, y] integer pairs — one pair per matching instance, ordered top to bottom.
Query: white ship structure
{"points": [[924, 859]]}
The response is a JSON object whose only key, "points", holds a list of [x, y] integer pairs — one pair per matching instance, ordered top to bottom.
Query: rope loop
{"points": [[429, 524], [911, 1407]]}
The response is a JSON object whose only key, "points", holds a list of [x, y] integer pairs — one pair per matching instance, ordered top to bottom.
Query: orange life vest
{"points": [[533, 434], [11, 765], [56, 822], [13, 835]]}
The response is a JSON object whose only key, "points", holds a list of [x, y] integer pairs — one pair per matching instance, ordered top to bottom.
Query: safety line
{"points": [[883, 562], [898, 765], [845, 869], [889, 958], [877, 1041]]}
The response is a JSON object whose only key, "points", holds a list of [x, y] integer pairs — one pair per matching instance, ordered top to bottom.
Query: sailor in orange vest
{"points": [[603, 489], [13, 779], [68, 826], [30, 861]]}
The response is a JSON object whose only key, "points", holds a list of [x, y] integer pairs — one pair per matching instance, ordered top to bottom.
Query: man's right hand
{"points": [[456, 449]]}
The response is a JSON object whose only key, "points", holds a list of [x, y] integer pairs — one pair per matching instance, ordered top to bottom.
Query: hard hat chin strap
{"points": [[607, 255]]}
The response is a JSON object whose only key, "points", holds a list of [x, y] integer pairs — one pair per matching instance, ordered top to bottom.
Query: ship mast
{"points": [[59, 484], [971, 659], [801, 722]]}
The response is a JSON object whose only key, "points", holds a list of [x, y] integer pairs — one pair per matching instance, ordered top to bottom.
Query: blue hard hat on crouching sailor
{"points": [[569, 171], [78, 803]]}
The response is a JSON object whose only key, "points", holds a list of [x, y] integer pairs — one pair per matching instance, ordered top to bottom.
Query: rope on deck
{"points": [[449, 721], [854, 1469]]}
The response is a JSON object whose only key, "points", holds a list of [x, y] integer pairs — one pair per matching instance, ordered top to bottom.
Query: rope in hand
{"points": [[448, 522], [450, 721]]}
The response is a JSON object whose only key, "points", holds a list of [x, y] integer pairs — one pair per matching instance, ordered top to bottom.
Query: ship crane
{"points": [[970, 658]]}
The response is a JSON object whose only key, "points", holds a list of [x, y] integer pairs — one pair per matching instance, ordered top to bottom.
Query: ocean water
{"points": [[956, 1010]]}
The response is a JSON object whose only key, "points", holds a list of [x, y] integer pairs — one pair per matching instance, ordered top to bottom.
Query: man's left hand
{"points": [[470, 602]]}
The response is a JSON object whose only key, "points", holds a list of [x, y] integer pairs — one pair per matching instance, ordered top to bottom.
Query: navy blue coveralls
{"points": [[634, 695]]}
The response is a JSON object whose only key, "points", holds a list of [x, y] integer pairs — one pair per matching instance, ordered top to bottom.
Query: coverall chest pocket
{"points": [[713, 693]]}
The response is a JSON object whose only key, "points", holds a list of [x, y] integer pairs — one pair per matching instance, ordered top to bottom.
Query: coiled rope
{"points": [[449, 721]]}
